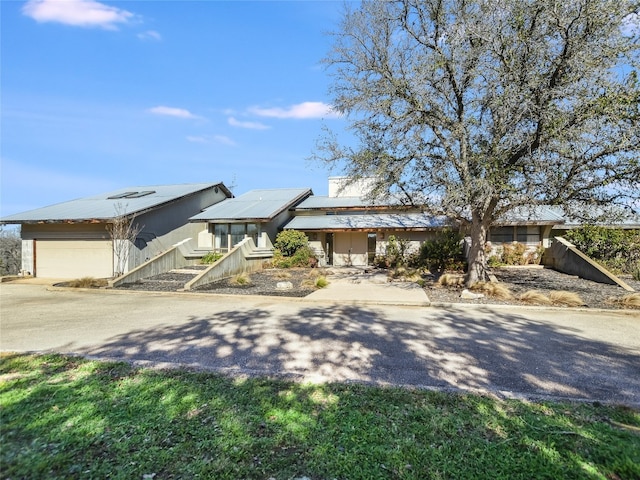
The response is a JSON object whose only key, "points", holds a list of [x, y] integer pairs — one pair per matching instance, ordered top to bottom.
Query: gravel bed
{"points": [[517, 279], [522, 279], [260, 283]]}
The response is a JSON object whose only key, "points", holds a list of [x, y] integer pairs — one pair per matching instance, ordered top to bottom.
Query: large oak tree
{"points": [[480, 107]]}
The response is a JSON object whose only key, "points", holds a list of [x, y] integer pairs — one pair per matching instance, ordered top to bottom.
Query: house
{"points": [[259, 214], [531, 226], [347, 229], [72, 239]]}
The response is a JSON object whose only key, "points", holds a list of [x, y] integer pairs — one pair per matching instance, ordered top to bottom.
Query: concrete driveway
{"points": [[512, 352]]}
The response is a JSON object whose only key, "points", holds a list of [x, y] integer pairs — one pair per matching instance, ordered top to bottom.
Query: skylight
{"points": [[131, 194]]}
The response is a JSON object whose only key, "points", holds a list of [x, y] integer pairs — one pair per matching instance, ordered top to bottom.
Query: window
{"points": [[252, 231], [237, 233], [522, 234], [221, 236]]}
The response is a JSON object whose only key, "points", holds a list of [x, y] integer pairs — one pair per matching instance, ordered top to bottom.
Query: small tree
{"points": [[123, 232], [10, 252]]}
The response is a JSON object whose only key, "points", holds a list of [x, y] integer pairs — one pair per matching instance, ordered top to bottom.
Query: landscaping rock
{"points": [[284, 286], [467, 295]]}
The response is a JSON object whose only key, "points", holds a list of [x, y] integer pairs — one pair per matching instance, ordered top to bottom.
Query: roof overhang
{"points": [[341, 223]]}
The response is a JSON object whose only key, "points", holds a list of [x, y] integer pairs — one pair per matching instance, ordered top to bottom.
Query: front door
{"points": [[329, 248], [371, 248]]}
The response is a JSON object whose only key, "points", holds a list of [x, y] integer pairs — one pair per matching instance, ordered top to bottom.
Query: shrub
{"points": [[290, 241], [615, 248], [396, 252], [442, 253], [513, 253], [211, 257], [303, 257], [240, 279], [451, 280], [87, 282], [321, 282], [493, 289], [534, 297], [568, 299], [631, 300]]}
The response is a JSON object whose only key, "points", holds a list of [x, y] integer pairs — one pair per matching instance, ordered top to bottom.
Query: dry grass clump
{"points": [[316, 272], [282, 274], [405, 274], [240, 279], [451, 280], [319, 281], [88, 282], [492, 289], [534, 297], [568, 299], [631, 300]]}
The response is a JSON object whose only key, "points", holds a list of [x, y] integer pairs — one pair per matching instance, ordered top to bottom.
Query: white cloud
{"points": [[78, 13], [150, 35], [299, 111], [173, 112], [250, 125], [221, 139], [224, 140]]}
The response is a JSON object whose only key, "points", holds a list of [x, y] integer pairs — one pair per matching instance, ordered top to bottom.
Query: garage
{"points": [[73, 258]]}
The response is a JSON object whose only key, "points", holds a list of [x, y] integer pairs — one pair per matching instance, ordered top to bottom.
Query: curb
{"points": [[414, 304]]}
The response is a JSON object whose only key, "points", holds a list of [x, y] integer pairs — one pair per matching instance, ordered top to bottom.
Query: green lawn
{"points": [[65, 417]]}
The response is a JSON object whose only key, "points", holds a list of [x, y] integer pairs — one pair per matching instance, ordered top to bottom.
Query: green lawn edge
{"points": [[68, 417]]}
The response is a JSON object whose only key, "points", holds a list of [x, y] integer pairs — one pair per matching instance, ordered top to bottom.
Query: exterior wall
{"points": [[338, 187], [166, 226], [415, 240], [358, 243], [350, 249], [27, 257], [565, 257], [168, 260], [237, 261]]}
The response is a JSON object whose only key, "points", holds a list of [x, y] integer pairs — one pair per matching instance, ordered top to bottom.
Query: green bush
{"points": [[290, 241], [615, 248], [396, 252], [443, 252], [513, 253], [211, 257], [303, 257]]}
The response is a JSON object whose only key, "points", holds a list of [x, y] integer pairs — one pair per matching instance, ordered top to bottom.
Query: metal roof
{"points": [[328, 203], [259, 205], [105, 206], [539, 214], [400, 221]]}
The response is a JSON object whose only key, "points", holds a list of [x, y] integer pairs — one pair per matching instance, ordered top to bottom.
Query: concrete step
{"points": [[261, 253]]}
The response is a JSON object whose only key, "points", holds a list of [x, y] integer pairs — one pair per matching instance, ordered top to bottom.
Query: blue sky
{"points": [[98, 95]]}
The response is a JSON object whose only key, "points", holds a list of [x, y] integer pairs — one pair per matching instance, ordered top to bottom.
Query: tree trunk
{"points": [[477, 259]]}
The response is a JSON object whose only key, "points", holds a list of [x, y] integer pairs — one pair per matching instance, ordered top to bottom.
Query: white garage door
{"points": [[73, 258]]}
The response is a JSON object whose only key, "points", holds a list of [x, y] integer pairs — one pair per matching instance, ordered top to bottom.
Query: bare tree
{"points": [[486, 106], [123, 232], [10, 252]]}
